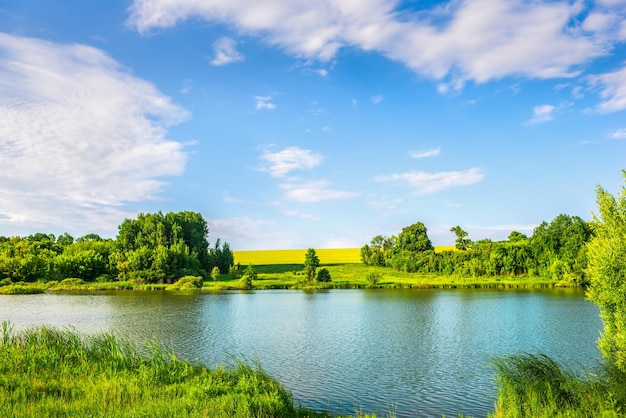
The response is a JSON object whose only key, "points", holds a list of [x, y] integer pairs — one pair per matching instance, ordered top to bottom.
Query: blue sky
{"points": [[296, 124]]}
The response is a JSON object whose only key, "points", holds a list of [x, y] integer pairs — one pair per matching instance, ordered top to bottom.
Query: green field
{"points": [[326, 256]]}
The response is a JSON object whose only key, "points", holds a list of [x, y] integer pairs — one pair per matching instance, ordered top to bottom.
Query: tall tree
{"points": [[414, 238], [461, 242], [311, 263], [607, 273]]}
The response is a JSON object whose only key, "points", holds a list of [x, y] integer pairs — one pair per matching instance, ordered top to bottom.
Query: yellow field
{"points": [[326, 256]]}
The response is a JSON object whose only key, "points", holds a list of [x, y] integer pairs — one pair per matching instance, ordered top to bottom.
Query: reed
{"points": [[538, 386]]}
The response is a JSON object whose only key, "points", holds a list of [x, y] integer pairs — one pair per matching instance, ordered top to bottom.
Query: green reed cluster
{"points": [[537, 386]]}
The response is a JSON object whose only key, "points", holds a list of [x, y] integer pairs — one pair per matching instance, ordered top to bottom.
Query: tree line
{"points": [[151, 248], [556, 250]]}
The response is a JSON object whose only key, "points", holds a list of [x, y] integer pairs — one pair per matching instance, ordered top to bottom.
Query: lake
{"points": [[414, 352]]}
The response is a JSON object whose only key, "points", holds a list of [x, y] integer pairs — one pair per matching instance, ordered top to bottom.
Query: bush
{"points": [[323, 276], [373, 279], [186, 283]]}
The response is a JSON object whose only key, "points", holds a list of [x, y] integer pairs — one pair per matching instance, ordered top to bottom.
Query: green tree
{"points": [[414, 238], [461, 242], [311, 263], [607, 272], [215, 273], [248, 276], [323, 276]]}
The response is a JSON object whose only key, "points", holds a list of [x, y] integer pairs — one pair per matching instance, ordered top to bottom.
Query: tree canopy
{"points": [[152, 247], [607, 273]]}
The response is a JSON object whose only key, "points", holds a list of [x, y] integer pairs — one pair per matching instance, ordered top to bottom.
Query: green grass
{"points": [[290, 276], [52, 372], [537, 386]]}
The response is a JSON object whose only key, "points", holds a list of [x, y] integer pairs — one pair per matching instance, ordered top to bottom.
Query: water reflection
{"points": [[416, 352]]}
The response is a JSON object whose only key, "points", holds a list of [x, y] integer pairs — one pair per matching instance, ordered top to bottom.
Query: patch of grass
{"points": [[356, 276], [21, 289], [52, 372], [537, 386]]}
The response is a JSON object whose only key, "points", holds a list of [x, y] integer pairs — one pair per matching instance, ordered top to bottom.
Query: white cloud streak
{"points": [[457, 41], [225, 52], [612, 90], [264, 103], [543, 113], [619, 134], [79, 136], [425, 154], [290, 159], [428, 183], [314, 191]]}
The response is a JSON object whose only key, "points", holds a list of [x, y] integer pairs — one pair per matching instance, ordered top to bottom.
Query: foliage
{"points": [[461, 242], [156, 246], [556, 251], [221, 257], [311, 263], [234, 271], [215, 273], [607, 273], [248, 276], [323, 276], [373, 278], [186, 283], [51, 372], [537, 386]]}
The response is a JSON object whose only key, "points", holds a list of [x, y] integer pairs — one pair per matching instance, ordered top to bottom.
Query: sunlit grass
{"points": [[344, 276], [52, 372], [537, 386]]}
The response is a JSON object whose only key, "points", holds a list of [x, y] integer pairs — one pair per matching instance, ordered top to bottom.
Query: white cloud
{"points": [[457, 41], [226, 52], [322, 72], [612, 90], [377, 99], [264, 103], [543, 113], [619, 134], [79, 136], [425, 154], [290, 159], [428, 183], [314, 191], [301, 215]]}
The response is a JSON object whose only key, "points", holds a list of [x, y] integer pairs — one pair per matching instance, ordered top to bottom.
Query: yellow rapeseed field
{"points": [[326, 256]]}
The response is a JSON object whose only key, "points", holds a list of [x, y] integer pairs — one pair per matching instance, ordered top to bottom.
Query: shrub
{"points": [[323, 275], [373, 279], [186, 283]]}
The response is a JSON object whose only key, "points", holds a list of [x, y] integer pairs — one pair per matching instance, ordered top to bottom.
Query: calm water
{"points": [[416, 352]]}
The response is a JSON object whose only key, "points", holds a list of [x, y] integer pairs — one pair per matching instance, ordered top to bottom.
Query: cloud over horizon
{"points": [[80, 136], [428, 183]]}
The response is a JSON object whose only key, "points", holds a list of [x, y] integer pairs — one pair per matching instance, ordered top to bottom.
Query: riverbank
{"points": [[291, 276], [51, 372]]}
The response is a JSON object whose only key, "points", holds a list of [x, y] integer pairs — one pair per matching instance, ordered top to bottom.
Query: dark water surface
{"points": [[415, 352]]}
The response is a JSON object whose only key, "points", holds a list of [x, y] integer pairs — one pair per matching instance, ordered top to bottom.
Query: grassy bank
{"points": [[291, 276], [350, 276], [52, 372], [537, 386]]}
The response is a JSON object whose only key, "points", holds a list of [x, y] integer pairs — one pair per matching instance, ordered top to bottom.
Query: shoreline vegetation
{"points": [[291, 276], [48, 371]]}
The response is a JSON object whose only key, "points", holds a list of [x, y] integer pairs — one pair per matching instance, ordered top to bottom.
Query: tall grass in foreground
{"points": [[52, 372], [58, 372], [537, 386]]}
